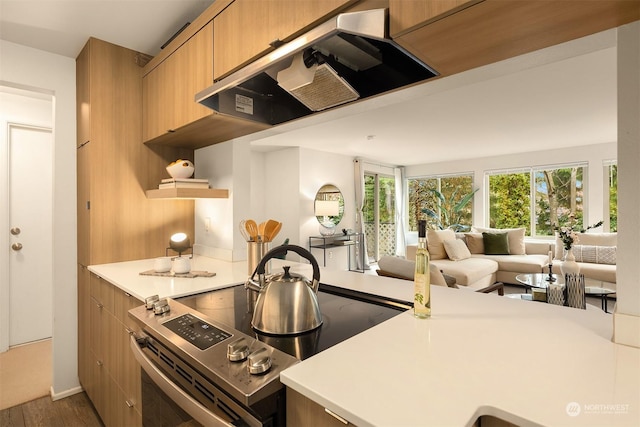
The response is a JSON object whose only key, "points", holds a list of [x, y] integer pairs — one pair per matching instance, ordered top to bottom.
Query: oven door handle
{"points": [[175, 393]]}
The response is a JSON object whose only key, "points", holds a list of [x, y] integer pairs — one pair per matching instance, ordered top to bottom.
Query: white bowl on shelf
{"points": [[181, 169]]}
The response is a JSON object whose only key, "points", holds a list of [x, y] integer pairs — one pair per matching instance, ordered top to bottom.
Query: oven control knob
{"points": [[149, 301], [161, 307], [238, 350], [259, 362]]}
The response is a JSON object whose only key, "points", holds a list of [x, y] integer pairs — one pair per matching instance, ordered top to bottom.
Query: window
{"points": [[424, 193], [611, 193], [537, 198]]}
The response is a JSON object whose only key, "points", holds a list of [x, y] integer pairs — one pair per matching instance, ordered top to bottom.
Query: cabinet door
{"points": [[404, 15], [245, 29], [169, 89], [83, 105], [83, 202], [84, 331]]}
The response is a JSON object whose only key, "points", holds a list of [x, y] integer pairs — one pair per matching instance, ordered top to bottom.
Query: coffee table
{"points": [[539, 280]]}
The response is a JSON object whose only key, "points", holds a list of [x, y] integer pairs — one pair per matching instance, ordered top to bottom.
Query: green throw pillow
{"points": [[495, 243]]}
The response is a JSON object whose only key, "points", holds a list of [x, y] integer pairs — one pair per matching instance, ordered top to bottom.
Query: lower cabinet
{"points": [[107, 369], [302, 411]]}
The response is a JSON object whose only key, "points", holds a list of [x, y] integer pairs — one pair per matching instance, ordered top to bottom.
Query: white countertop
{"points": [[126, 276], [479, 354]]}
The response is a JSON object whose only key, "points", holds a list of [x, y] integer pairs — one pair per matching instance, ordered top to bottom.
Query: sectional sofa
{"points": [[463, 256]]}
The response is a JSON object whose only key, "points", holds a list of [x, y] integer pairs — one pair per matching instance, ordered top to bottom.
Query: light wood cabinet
{"points": [[405, 15], [248, 29], [472, 34], [169, 89], [116, 221], [115, 380], [302, 412]]}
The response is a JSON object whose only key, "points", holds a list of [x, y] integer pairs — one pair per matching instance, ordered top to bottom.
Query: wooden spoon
{"points": [[252, 229], [261, 229], [271, 229]]}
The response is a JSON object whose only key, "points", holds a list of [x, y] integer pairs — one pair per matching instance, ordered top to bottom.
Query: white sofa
{"points": [[479, 269]]}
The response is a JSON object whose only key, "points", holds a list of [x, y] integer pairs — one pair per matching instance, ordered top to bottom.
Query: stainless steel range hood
{"points": [[343, 60]]}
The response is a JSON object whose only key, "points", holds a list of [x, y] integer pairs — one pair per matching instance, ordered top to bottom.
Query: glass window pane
{"points": [[441, 197], [559, 198], [613, 198], [510, 201], [387, 212]]}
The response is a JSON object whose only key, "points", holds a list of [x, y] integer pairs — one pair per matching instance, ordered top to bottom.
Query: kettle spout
{"points": [[253, 285]]}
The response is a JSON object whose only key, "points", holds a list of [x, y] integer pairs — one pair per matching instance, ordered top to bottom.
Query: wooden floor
{"points": [[71, 411]]}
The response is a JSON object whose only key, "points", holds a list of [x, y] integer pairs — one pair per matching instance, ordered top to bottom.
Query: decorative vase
{"points": [[569, 265]]}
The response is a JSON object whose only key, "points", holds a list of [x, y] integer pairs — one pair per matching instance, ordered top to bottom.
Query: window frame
{"points": [[532, 171], [439, 176]]}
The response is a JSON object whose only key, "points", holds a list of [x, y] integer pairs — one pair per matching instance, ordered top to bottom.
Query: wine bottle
{"points": [[421, 282]]}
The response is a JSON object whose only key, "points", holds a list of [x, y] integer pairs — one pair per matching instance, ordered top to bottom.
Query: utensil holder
{"points": [[255, 252]]}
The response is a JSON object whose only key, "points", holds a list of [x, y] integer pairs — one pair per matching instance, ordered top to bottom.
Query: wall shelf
{"points": [[188, 193]]}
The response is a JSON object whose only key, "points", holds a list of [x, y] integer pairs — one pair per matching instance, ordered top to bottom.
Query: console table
{"points": [[355, 240]]}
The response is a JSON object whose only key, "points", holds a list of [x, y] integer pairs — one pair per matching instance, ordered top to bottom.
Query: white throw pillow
{"points": [[514, 235], [435, 245], [456, 249]]}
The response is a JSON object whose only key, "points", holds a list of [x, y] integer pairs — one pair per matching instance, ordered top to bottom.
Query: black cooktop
{"points": [[345, 314]]}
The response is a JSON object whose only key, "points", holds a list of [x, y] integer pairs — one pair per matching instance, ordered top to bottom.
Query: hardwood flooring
{"points": [[72, 411]]}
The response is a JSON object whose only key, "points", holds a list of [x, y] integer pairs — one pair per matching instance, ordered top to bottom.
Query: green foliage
{"points": [[613, 198], [386, 199], [422, 199], [509, 201], [449, 212]]}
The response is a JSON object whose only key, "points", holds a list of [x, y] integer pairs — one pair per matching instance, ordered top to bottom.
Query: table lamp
{"points": [[326, 209]]}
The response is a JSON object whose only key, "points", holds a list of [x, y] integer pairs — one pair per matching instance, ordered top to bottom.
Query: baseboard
{"points": [[625, 329], [57, 396]]}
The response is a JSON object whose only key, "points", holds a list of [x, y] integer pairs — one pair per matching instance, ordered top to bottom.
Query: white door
{"points": [[30, 150]]}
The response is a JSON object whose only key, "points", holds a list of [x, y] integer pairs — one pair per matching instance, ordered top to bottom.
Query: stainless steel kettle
{"points": [[287, 303]]}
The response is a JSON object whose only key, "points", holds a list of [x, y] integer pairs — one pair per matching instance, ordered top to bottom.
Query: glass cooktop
{"points": [[345, 314]]}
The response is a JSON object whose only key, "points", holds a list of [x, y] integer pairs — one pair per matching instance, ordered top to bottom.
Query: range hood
{"points": [[347, 58]]}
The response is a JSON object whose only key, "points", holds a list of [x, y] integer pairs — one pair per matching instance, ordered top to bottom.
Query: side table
{"points": [[355, 240]]}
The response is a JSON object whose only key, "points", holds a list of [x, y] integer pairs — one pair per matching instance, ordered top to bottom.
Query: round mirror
{"points": [[329, 208]]}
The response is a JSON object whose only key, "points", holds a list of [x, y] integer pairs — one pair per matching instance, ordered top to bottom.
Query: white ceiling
{"points": [[559, 97]]}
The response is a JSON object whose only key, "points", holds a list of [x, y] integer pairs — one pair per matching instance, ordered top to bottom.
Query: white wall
{"points": [[37, 69], [594, 155], [280, 185], [627, 313]]}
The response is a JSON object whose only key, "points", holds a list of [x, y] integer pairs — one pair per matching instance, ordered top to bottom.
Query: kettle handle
{"points": [[282, 250]]}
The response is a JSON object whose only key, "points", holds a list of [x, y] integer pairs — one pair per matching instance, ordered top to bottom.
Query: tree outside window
{"points": [[554, 195], [421, 196], [613, 198]]}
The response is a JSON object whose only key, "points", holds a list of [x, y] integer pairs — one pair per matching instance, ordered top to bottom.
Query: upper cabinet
{"points": [[404, 15], [248, 29], [454, 36], [168, 89]]}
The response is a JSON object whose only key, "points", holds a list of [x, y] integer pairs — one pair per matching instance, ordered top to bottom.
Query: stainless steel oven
{"points": [[203, 363]]}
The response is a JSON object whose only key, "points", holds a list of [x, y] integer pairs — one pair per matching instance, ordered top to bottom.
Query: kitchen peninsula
{"points": [[480, 354]]}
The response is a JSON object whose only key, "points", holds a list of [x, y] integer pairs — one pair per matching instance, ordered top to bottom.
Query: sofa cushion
{"points": [[516, 238], [591, 239], [434, 242], [474, 242], [495, 243], [456, 249], [595, 254], [519, 263], [404, 269], [467, 271], [601, 272]]}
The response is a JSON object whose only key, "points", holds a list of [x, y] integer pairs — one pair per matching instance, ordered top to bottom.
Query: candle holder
{"points": [[550, 277]]}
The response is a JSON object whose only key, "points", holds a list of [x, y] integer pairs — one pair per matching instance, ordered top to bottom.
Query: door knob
{"points": [[15, 231], [16, 246]]}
